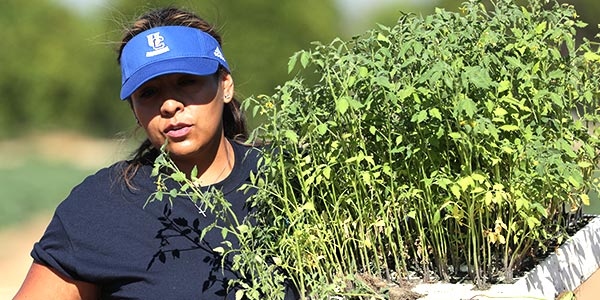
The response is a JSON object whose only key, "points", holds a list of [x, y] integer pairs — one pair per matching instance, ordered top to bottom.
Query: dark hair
{"points": [[234, 123]]}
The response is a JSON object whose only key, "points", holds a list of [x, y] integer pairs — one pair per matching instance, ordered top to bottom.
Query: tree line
{"points": [[58, 66], [59, 70]]}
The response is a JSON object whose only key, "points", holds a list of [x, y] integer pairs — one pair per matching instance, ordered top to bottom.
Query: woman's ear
{"points": [[227, 86]]}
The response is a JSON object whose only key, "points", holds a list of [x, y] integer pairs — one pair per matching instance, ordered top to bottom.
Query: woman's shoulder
{"points": [[247, 154], [104, 177], [108, 185]]}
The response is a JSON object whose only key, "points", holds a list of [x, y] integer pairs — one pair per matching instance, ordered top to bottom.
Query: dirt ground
{"points": [[14, 254]]}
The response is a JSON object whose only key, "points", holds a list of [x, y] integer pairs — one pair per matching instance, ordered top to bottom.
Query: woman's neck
{"points": [[212, 166]]}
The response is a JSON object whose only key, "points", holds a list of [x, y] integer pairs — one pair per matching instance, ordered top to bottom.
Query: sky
{"points": [[352, 8]]}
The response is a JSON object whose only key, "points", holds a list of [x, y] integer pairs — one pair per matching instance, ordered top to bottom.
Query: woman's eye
{"points": [[187, 81], [147, 93]]}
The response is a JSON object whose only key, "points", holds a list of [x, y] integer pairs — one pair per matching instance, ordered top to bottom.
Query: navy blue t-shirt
{"points": [[102, 233]]}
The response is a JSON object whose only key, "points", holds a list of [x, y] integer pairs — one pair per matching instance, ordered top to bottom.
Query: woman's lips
{"points": [[178, 131]]}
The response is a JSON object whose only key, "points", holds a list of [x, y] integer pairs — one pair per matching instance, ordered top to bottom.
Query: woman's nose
{"points": [[170, 107]]}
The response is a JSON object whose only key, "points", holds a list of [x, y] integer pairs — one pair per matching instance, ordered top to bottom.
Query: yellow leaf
{"points": [[540, 28], [383, 38], [591, 56], [503, 86], [509, 127], [508, 150], [584, 164], [327, 172], [478, 177], [465, 182], [478, 190], [455, 191], [488, 198], [585, 199], [308, 206], [380, 223], [243, 228], [492, 237], [501, 239], [258, 259], [239, 294]]}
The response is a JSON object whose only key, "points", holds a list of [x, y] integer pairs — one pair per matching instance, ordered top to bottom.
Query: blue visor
{"points": [[165, 50]]}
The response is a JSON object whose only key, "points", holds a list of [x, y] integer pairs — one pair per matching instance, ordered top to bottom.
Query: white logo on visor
{"points": [[156, 41], [218, 54]]}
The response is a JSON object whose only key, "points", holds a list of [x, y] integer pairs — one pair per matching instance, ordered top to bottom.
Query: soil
{"points": [[17, 242], [394, 291]]}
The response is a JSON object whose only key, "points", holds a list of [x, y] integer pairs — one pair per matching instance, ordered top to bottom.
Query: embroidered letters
{"points": [[156, 41]]}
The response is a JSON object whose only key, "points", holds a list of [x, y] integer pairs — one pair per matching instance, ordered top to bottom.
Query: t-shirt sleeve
{"points": [[70, 234], [54, 250]]}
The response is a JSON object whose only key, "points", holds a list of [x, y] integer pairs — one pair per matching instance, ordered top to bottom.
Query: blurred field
{"points": [[36, 173], [35, 186]]}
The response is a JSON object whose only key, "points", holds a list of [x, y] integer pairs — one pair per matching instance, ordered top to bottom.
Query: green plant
{"points": [[451, 144], [259, 273]]}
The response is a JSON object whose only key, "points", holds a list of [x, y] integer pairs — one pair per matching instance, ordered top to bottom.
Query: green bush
{"points": [[447, 143], [451, 144]]}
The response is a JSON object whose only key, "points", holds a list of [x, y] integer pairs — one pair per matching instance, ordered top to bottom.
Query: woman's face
{"points": [[185, 109]]}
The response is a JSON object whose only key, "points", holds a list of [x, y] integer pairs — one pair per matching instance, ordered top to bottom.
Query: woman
{"points": [[102, 242]]}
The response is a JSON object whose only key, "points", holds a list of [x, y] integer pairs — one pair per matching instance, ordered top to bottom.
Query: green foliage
{"points": [[587, 9], [59, 67], [55, 72], [446, 141]]}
